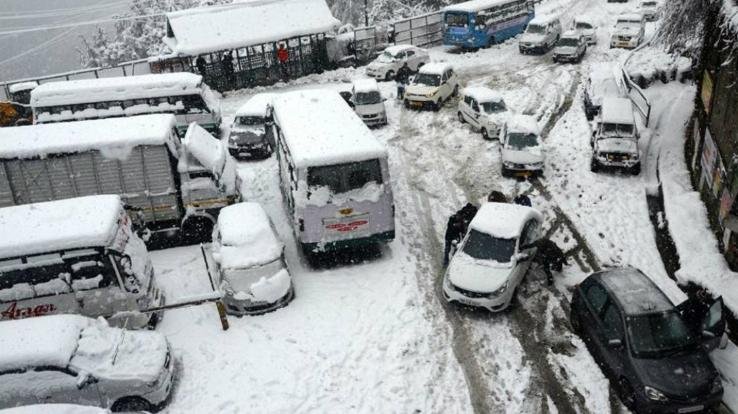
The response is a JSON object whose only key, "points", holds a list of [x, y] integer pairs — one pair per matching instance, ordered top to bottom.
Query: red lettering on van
{"points": [[345, 227], [14, 312]]}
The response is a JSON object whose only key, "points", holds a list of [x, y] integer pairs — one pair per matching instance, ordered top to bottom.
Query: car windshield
{"points": [[648, 4], [457, 19], [583, 25], [534, 28], [567, 41], [386, 57], [427, 79], [367, 98], [494, 107], [249, 121], [617, 130], [521, 141], [341, 178], [482, 246], [242, 279], [659, 334]]}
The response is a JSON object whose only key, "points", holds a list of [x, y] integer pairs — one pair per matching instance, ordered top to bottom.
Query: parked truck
{"points": [[170, 190]]}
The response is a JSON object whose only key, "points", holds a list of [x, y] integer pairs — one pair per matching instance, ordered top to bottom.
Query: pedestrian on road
{"points": [[283, 56], [200, 63], [402, 77], [496, 197], [523, 200], [456, 229], [549, 256]]}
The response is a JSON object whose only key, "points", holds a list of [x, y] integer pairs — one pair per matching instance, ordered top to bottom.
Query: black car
{"points": [[248, 138], [654, 353]]}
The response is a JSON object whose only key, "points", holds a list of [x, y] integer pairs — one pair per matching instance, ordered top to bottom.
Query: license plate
{"points": [[623, 44], [415, 104], [244, 153], [523, 173], [350, 224], [691, 409]]}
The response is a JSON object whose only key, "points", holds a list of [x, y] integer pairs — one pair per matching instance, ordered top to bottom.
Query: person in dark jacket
{"points": [[283, 56], [227, 62], [200, 63], [402, 77], [496, 197], [523, 200], [456, 229], [549, 256]]}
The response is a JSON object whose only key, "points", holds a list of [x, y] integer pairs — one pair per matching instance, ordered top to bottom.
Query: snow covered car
{"points": [[650, 9], [586, 28], [629, 31], [541, 34], [571, 47], [386, 65], [600, 83], [433, 85], [368, 102], [484, 109], [248, 138], [615, 141], [520, 147], [492, 259], [250, 263], [653, 355], [77, 360], [55, 409]]}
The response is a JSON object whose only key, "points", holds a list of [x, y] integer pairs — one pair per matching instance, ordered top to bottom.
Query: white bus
{"points": [[182, 94], [333, 172]]}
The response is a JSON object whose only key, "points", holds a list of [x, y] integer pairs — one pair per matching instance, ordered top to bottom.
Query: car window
{"points": [[410, 53], [467, 100], [475, 106], [530, 232], [596, 296], [613, 322]]}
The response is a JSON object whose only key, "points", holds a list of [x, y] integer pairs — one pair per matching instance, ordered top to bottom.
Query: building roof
{"points": [[474, 5], [232, 26], [435, 68], [115, 89], [482, 94], [256, 105], [617, 111], [526, 124], [321, 129], [114, 137], [503, 220], [72, 223], [635, 291], [41, 341]]}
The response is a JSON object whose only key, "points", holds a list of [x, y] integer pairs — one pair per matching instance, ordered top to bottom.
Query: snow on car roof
{"points": [[474, 5], [630, 17], [584, 19], [543, 20], [232, 26], [571, 34], [393, 50], [435, 68], [365, 85], [22, 86], [115, 89], [482, 94], [256, 105], [617, 111], [523, 124], [321, 129], [112, 136], [503, 220], [72, 223], [246, 237], [635, 291], [41, 341]]}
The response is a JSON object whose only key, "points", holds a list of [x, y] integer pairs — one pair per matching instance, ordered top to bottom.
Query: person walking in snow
{"points": [[283, 56], [200, 63], [227, 63], [402, 78], [496, 197], [522, 200], [456, 229], [549, 256]]}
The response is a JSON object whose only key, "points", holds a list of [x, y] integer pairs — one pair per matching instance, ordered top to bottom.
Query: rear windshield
{"points": [[457, 19], [583, 25], [534, 28], [567, 41], [367, 98], [494, 107], [250, 120], [618, 130], [341, 178], [482, 246], [658, 334]]}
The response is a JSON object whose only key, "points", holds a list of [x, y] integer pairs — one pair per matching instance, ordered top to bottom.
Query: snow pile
{"points": [[474, 5], [215, 28], [652, 62], [365, 85], [22, 86], [482, 94], [256, 105], [524, 124], [208, 150], [321, 196], [503, 220], [246, 237], [268, 289]]}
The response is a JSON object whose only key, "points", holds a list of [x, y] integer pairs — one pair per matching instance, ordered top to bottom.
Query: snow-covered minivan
{"points": [[629, 31], [540, 35], [386, 65], [434, 84], [368, 102], [484, 109], [248, 138], [615, 140], [520, 147], [77, 255], [493, 257], [250, 262], [73, 359]]}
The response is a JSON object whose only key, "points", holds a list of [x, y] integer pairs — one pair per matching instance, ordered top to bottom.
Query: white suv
{"points": [[629, 31], [386, 65], [432, 86], [484, 109], [615, 140], [520, 147], [72, 359]]}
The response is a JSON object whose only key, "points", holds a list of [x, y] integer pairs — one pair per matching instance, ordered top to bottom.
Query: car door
{"points": [[400, 58], [412, 60], [444, 88], [474, 113], [530, 233], [594, 298], [705, 318], [611, 328]]}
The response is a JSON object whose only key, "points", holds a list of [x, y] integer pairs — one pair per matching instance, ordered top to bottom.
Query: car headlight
{"points": [[430, 94], [500, 290], [717, 386], [654, 394]]}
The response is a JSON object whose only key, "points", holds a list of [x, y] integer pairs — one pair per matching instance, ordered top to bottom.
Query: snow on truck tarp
{"points": [[209, 29], [115, 89], [321, 129], [113, 137], [206, 149], [57, 225]]}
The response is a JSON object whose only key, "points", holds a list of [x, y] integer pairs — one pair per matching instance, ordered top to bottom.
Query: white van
{"points": [[629, 31], [541, 35], [434, 84], [368, 102], [484, 109], [615, 140], [334, 174], [77, 255]]}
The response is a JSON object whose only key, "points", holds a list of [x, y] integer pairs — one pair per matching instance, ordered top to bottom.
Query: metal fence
{"points": [[425, 30], [639, 99]]}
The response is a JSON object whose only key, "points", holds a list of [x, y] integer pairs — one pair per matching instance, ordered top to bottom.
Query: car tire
{"points": [[389, 75], [456, 91], [407, 104], [436, 105], [461, 117], [485, 134], [594, 166], [636, 169], [505, 172], [576, 323], [627, 394], [131, 404]]}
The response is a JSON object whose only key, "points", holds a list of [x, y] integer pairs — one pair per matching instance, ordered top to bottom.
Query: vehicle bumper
{"points": [[624, 44], [532, 48], [566, 58], [376, 74], [418, 102], [374, 120], [246, 153], [606, 162], [523, 169], [386, 236], [489, 302], [243, 307], [161, 397], [671, 406]]}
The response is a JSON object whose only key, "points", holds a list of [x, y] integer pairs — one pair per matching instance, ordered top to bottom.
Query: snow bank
{"points": [[215, 28], [651, 62], [22, 86], [114, 137], [504, 220], [57, 225], [246, 237], [271, 289]]}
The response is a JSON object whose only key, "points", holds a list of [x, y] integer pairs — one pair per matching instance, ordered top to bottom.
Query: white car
{"points": [[650, 9], [586, 28], [629, 31], [540, 35], [570, 48], [386, 65], [432, 86], [368, 102], [484, 109], [520, 147], [493, 257], [250, 262], [73, 359]]}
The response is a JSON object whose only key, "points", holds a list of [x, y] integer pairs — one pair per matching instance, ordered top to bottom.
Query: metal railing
{"points": [[424, 30], [635, 93]]}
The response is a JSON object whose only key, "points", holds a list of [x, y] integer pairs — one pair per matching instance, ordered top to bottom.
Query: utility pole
{"points": [[366, 14]]}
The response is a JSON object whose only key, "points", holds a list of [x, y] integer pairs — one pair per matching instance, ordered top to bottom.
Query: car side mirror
{"points": [[615, 343]]}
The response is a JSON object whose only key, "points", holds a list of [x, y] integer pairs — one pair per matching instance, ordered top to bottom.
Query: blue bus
{"points": [[480, 23]]}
